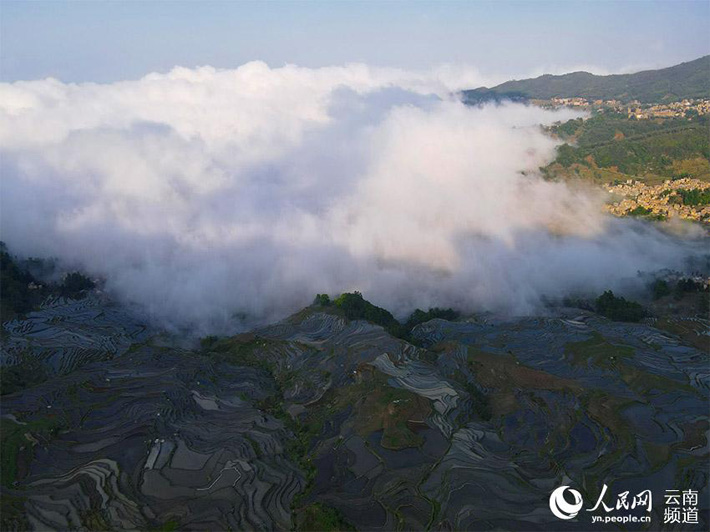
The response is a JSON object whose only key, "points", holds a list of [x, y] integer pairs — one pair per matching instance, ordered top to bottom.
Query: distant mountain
{"points": [[687, 80]]}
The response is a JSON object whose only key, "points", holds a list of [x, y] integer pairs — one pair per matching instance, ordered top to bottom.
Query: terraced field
{"points": [[69, 333], [321, 423]]}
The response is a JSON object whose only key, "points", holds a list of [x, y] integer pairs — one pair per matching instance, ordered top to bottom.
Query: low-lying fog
{"points": [[206, 194]]}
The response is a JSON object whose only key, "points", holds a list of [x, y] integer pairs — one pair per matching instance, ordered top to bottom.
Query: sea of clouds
{"points": [[217, 199]]}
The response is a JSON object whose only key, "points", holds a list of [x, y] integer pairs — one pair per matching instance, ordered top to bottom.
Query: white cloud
{"points": [[204, 193]]}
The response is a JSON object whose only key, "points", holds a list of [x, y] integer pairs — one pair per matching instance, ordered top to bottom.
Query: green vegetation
{"points": [[687, 80], [484, 95], [606, 128], [568, 129], [615, 148], [567, 156], [695, 196], [640, 210], [75, 285], [689, 285], [660, 288], [679, 289], [21, 292], [16, 296], [322, 300], [576, 301], [355, 307], [358, 308], [616, 308], [619, 309], [419, 316], [690, 331], [209, 341], [242, 350], [597, 351], [27, 373], [496, 381], [480, 402], [376, 406], [391, 410], [17, 441], [13, 515], [322, 518], [95, 520], [169, 526]]}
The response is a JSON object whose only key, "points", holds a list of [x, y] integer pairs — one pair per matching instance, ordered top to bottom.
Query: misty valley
{"points": [[355, 298], [342, 417]]}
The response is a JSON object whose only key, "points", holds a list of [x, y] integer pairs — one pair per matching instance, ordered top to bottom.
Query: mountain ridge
{"points": [[690, 79]]}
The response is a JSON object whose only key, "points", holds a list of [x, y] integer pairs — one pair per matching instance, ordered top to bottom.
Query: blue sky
{"points": [[108, 41]]}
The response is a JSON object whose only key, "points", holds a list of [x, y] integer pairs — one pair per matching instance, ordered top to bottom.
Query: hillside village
{"points": [[687, 108], [652, 158], [682, 198]]}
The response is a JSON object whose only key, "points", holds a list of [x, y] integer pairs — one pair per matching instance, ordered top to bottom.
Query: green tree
{"points": [[660, 288], [322, 300], [619, 309]]}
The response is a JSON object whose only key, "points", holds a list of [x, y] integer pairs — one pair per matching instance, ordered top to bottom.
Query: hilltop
{"points": [[686, 80]]}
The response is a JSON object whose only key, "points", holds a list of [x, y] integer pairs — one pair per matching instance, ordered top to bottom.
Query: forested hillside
{"points": [[687, 80]]}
